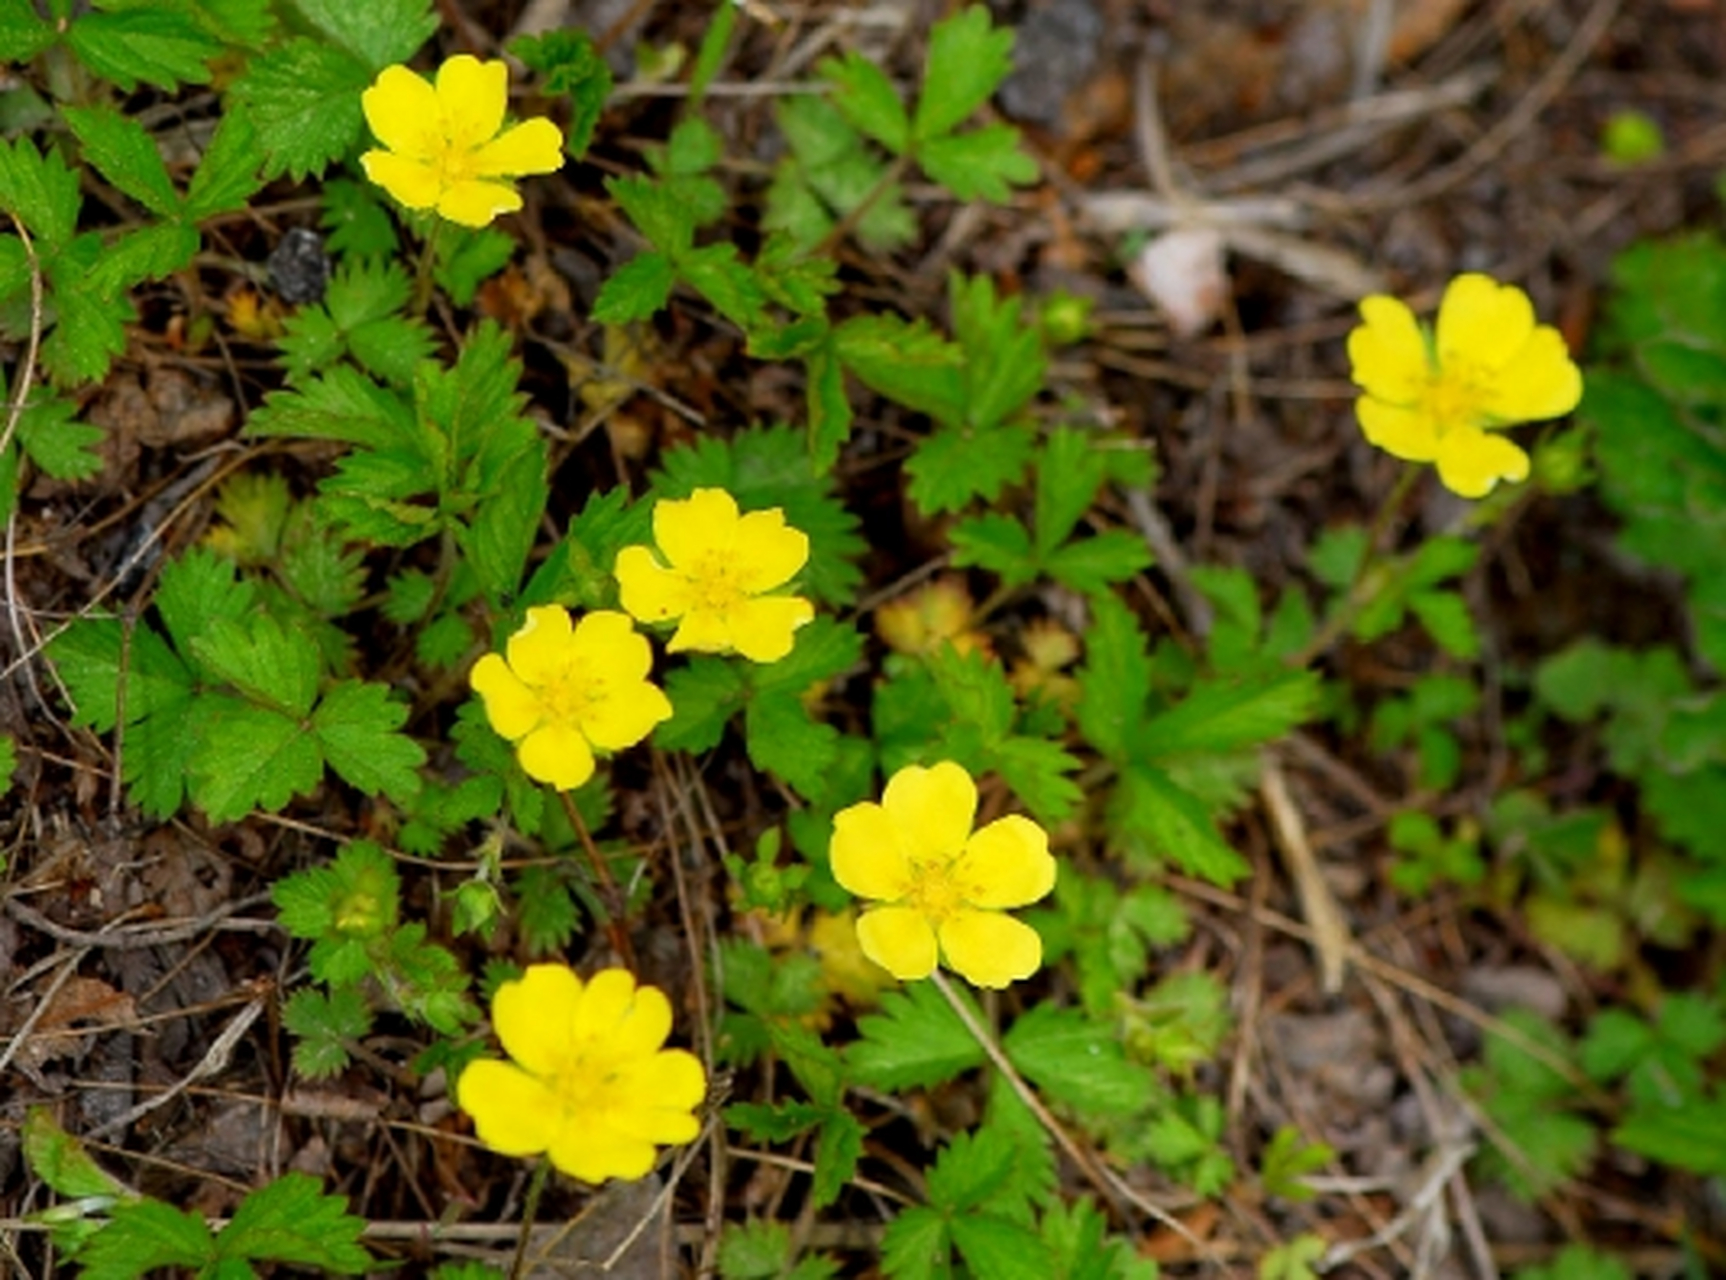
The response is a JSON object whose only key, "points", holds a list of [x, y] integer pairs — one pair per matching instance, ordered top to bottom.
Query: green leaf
{"points": [[23, 33], [378, 33], [159, 44], [968, 60], [570, 64], [304, 98], [867, 99], [125, 155], [983, 164], [830, 172], [227, 176], [41, 191], [658, 213], [355, 219], [149, 253], [467, 257], [717, 274], [636, 290], [359, 314], [90, 323], [1005, 359], [907, 362], [343, 405], [829, 407], [64, 449], [956, 464], [1070, 471], [998, 543], [1091, 564], [1445, 616], [271, 665], [1115, 681], [976, 692], [704, 695], [1231, 715], [356, 727], [784, 739], [250, 757], [1038, 772], [1151, 817], [324, 1026], [916, 1041], [1077, 1062], [1686, 1136], [838, 1148], [60, 1160], [292, 1221], [143, 1236], [915, 1246], [994, 1247], [754, 1250], [1296, 1260]]}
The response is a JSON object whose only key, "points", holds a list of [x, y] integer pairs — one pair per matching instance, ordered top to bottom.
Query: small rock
{"points": [[1054, 54], [299, 268]]}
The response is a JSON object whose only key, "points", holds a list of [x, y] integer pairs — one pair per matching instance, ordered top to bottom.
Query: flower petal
{"points": [[472, 96], [402, 110], [533, 146], [413, 183], [476, 204], [1481, 322], [1387, 353], [1540, 381], [1402, 433], [1471, 462], [686, 528], [768, 551], [650, 592], [764, 629], [703, 631], [607, 647], [539, 651], [512, 708], [625, 715], [558, 754], [932, 809], [866, 853], [1006, 864], [898, 939], [989, 949], [606, 1005], [534, 1016], [656, 1101], [509, 1107], [593, 1150]]}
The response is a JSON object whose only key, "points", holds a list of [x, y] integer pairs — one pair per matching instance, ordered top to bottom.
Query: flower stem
{"points": [[423, 272], [615, 903], [530, 1210]]}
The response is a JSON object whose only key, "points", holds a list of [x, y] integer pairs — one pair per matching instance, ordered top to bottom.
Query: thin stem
{"points": [[860, 210], [423, 273], [615, 903], [1111, 1187], [530, 1210]]}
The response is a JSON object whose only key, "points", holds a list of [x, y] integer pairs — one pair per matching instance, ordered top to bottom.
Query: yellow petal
{"points": [[472, 96], [402, 110], [533, 146], [413, 183], [476, 204], [1481, 322], [1387, 354], [1541, 381], [1402, 433], [1471, 462], [686, 527], [769, 552], [649, 591], [764, 629], [702, 631], [607, 647], [539, 651], [510, 706], [625, 716], [557, 754], [932, 809], [867, 856], [1006, 864], [898, 939], [989, 949], [606, 1004], [534, 1016], [656, 1101], [508, 1106], [593, 1150]]}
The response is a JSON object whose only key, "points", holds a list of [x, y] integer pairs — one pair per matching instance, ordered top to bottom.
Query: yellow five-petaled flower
{"points": [[442, 146], [1434, 398], [718, 577], [565, 690], [941, 890], [591, 1084]]}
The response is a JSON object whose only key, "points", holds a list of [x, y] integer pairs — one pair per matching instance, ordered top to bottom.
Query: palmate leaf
{"points": [[378, 32], [159, 43], [968, 59], [304, 99], [125, 155], [982, 164], [956, 464], [356, 726], [249, 757], [916, 1041], [1078, 1062], [292, 1221], [143, 1236]]}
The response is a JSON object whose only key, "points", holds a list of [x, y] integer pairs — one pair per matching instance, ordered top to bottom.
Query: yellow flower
{"points": [[442, 149], [1433, 398], [722, 568], [566, 690], [939, 885], [591, 1084]]}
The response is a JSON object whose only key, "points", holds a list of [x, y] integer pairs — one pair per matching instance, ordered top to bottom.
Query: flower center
{"points": [[453, 161], [1456, 394], [715, 583], [570, 694], [935, 891], [584, 1086]]}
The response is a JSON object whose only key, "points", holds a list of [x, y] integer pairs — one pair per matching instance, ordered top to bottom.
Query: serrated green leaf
{"points": [[23, 33], [378, 33], [159, 44], [968, 60], [570, 65], [304, 98], [868, 100], [125, 155], [981, 164], [830, 172], [227, 176], [41, 192], [657, 212], [356, 221], [150, 253], [467, 257], [717, 274], [636, 290], [90, 322], [907, 362], [343, 405], [829, 407], [64, 449], [956, 464], [1070, 471], [998, 543], [1092, 564], [1445, 616], [823, 648], [270, 664], [1115, 681], [704, 696], [1221, 716], [356, 727], [784, 739], [250, 757], [1038, 771], [1151, 817], [323, 1026], [916, 1041], [1077, 1062], [1686, 1136], [838, 1148], [60, 1160], [292, 1221], [142, 1236], [916, 1246], [995, 1247]]}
